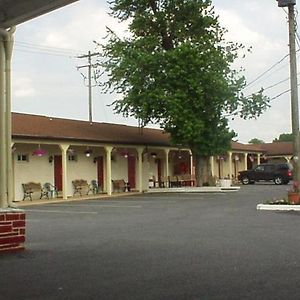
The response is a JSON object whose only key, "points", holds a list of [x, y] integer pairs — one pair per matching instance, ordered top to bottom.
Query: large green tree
{"points": [[174, 69]]}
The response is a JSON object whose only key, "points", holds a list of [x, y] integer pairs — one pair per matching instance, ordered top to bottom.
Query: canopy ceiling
{"points": [[14, 12]]}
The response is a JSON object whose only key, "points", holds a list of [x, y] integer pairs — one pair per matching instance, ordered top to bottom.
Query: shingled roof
{"points": [[28, 126], [42, 127], [246, 147], [278, 148]]}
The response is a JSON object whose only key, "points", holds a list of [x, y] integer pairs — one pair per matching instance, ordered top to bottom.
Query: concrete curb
{"points": [[208, 189], [212, 189], [72, 199], [278, 207]]}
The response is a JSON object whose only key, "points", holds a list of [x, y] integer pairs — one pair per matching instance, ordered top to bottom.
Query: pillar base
{"points": [[12, 230]]}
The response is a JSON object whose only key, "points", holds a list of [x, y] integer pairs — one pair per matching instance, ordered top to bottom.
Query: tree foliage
{"points": [[175, 70], [284, 137], [256, 141]]}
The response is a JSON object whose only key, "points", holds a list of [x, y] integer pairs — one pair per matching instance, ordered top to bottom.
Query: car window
{"points": [[259, 168], [269, 168]]}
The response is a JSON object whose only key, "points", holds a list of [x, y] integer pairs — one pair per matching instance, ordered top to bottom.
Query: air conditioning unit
{"points": [[284, 3]]}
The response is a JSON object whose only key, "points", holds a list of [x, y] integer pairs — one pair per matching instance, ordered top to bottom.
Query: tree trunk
{"points": [[202, 169]]}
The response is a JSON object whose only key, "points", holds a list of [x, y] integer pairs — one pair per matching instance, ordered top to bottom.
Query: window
{"points": [[72, 157], [22, 158], [259, 168], [269, 168]]}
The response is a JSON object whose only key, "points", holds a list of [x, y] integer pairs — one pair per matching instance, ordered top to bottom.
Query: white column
{"points": [[8, 43], [64, 148], [108, 150], [258, 158], [245, 161], [167, 162], [191, 162], [3, 163], [230, 164], [212, 165], [140, 169], [166, 171]]}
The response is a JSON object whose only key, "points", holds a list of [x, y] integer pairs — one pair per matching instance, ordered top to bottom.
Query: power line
{"points": [[47, 48], [43, 52], [277, 63], [268, 70], [281, 81], [279, 95]]}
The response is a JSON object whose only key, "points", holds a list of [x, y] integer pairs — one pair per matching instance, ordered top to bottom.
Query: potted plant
{"points": [[225, 182], [293, 194]]}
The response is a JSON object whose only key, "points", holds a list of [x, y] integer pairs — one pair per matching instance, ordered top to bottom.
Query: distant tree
{"points": [[284, 137], [256, 141]]}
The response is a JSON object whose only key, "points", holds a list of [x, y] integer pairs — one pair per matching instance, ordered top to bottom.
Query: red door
{"points": [[100, 171], [131, 171], [58, 172]]}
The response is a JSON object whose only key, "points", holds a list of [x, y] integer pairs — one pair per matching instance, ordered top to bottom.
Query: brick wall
{"points": [[12, 230]]}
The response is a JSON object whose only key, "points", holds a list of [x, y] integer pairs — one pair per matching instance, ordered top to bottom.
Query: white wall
{"points": [[119, 167], [83, 168], [152, 168], [37, 169], [40, 170]]}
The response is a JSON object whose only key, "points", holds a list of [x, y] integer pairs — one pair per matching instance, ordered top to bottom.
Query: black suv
{"points": [[279, 173]]}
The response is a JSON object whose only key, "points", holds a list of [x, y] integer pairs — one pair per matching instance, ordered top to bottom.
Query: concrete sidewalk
{"points": [[203, 189], [206, 189]]}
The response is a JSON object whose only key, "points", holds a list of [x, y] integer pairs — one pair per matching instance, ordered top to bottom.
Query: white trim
{"points": [[280, 207]]}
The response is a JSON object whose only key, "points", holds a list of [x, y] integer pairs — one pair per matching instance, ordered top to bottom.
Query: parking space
{"points": [[160, 246]]}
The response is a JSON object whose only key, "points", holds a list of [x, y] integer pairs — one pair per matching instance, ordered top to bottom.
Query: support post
{"points": [[8, 44], [294, 97], [3, 144], [64, 148], [108, 150], [246, 161], [167, 162], [191, 162], [212, 163], [230, 164], [140, 169]]}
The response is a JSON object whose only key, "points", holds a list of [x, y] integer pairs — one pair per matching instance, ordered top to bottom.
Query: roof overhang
{"points": [[14, 12]]}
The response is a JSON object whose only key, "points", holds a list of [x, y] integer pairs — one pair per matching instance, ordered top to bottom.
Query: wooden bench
{"points": [[181, 180], [186, 180], [173, 181], [81, 185], [120, 185], [31, 187]]}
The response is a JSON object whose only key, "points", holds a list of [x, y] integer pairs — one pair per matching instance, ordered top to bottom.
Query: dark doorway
{"points": [[100, 171], [131, 171], [58, 172]]}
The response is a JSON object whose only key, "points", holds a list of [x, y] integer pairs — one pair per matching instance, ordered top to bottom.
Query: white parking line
{"points": [[95, 205], [62, 211]]}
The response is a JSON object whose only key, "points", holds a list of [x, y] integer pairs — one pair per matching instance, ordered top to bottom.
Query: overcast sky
{"points": [[47, 82]]}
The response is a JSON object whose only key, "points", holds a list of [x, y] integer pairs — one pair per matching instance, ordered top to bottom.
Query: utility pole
{"points": [[89, 85], [294, 90]]}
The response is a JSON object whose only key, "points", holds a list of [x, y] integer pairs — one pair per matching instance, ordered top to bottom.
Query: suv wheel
{"points": [[245, 180], [278, 180]]}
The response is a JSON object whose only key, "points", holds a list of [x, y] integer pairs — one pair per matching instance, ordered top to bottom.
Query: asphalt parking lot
{"points": [[162, 246]]}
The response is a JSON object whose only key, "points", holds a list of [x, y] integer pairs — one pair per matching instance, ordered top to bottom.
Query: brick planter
{"points": [[12, 230]]}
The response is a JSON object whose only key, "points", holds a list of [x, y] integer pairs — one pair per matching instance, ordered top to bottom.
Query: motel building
{"points": [[60, 152]]}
